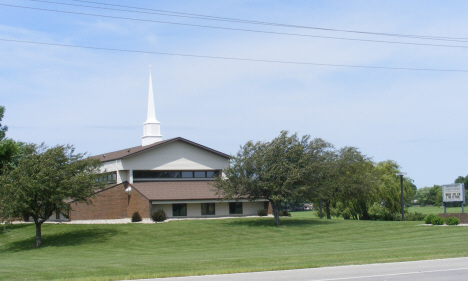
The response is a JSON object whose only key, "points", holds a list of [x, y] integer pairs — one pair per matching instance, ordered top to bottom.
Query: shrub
{"points": [[262, 212], [378, 212], [284, 213], [346, 214], [159, 215], [415, 216], [136, 217], [396, 217], [428, 219], [438, 221], [452, 221]]}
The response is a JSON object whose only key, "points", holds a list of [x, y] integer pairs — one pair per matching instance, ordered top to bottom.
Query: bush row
{"points": [[380, 213], [159, 215], [397, 217], [436, 220]]}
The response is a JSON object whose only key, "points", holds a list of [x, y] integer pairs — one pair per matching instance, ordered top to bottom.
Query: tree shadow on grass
{"points": [[285, 222], [9, 227], [63, 239]]}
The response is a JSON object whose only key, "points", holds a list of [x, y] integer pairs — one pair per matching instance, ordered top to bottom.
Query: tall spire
{"points": [[151, 116], [151, 128]]}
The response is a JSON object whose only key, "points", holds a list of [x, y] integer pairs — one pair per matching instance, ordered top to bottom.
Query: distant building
{"points": [[174, 175]]}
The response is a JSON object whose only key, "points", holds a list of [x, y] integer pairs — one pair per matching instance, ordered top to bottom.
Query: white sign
{"points": [[453, 192]]}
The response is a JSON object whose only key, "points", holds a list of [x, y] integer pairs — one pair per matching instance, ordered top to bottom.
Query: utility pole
{"points": [[402, 201]]}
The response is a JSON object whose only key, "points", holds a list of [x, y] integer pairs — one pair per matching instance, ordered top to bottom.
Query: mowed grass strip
{"points": [[436, 210], [195, 247]]}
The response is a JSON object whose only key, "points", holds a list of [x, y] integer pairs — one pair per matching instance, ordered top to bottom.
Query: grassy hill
{"points": [[191, 247]]}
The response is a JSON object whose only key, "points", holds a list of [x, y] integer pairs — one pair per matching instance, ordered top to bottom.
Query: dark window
{"points": [[156, 174], [169, 174], [172, 174], [187, 174], [200, 174], [112, 177], [108, 178], [208, 208], [235, 208], [179, 210], [57, 215]]}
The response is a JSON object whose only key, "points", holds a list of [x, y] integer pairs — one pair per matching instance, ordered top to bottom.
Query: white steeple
{"points": [[151, 128]]}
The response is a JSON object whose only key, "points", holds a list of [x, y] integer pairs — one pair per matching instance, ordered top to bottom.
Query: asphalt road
{"points": [[455, 269]]}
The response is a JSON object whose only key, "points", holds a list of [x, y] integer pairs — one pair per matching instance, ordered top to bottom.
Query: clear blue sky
{"points": [[96, 99]]}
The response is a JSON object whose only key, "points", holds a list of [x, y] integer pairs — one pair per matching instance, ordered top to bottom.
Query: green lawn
{"points": [[436, 210], [191, 247]]}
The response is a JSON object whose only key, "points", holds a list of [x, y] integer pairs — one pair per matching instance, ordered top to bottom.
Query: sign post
{"points": [[453, 193]]}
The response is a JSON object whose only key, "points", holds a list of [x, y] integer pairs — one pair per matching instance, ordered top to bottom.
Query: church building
{"points": [[175, 175]]}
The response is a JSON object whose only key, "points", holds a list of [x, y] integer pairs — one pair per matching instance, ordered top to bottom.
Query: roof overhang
{"points": [[128, 152], [156, 202]]}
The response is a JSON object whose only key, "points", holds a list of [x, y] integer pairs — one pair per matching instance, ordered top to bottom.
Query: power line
{"points": [[207, 17], [240, 29], [235, 59]]}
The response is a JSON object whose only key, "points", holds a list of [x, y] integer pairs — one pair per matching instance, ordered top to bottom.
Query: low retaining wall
{"points": [[462, 217]]}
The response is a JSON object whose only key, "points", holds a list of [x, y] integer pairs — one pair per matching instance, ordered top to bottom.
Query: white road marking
{"points": [[391, 274]]}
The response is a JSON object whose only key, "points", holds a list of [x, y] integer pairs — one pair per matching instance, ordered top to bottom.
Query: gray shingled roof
{"points": [[119, 154], [176, 190]]}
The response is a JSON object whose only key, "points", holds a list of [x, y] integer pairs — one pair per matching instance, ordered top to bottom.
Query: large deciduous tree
{"points": [[3, 128], [10, 150], [319, 157], [267, 170], [463, 180], [356, 181], [42, 182], [349, 182], [389, 187], [429, 196]]}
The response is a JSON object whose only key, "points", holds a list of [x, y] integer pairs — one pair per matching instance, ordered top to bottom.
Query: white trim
{"points": [[130, 176]]}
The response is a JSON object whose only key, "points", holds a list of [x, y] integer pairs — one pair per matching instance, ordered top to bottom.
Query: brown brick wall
{"points": [[111, 203], [138, 203], [269, 208], [462, 217]]}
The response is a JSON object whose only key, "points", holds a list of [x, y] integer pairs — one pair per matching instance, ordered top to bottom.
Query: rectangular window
{"points": [[156, 174], [172, 174], [187, 174], [200, 174], [212, 174], [166, 175], [112, 177], [108, 178], [235, 208], [208, 209], [179, 210], [57, 215]]}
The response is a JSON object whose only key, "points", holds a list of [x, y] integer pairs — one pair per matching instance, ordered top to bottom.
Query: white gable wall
{"points": [[175, 156], [111, 166]]}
